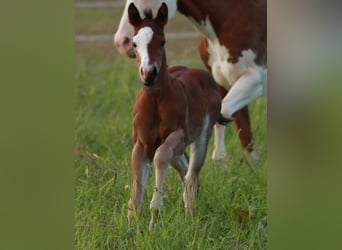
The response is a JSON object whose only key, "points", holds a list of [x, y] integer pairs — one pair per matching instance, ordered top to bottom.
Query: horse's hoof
{"points": [[219, 156], [252, 158], [155, 217]]}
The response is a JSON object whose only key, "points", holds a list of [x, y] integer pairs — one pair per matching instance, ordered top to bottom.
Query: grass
{"points": [[231, 208]]}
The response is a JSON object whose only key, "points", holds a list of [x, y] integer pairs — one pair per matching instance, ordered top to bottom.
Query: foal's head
{"points": [[148, 41]]}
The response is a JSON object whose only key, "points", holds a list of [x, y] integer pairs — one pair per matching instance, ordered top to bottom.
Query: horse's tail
{"points": [[224, 121]]}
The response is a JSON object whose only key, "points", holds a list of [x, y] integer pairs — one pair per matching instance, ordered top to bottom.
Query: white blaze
{"points": [[142, 39]]}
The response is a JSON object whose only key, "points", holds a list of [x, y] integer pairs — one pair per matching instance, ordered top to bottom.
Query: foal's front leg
{"points": [[174, 145], [140, 171]]}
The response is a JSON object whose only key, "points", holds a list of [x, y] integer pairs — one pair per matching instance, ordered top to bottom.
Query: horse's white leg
{"points": [[248, 87], [173, 146], [198, 150], [219, 152], [140, 170]]}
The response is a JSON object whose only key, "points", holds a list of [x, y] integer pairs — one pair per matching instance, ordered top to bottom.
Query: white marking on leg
{"points": [[219, 152], [252, 157], [161, 160], [157, 200]]}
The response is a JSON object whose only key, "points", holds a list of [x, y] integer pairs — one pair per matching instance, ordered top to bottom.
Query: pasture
{"points": [[231, 210]]}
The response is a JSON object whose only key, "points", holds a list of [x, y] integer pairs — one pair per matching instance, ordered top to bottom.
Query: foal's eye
{"points": [[162, 44], [134, 45]]}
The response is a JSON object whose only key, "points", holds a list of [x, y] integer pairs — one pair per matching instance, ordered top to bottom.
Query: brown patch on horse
{"points": [[239, 25], [203, 50]]}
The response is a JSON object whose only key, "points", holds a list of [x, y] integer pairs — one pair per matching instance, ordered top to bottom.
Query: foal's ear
{"points": [[133, 15], [162, 15]]}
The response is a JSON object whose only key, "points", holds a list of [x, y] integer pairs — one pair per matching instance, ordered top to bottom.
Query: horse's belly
{"points": [[227, 73]]}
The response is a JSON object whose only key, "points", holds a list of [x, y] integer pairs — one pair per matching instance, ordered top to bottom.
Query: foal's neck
{"points": [[162, 84]]}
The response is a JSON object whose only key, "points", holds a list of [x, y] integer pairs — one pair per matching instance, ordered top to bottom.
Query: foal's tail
{"points": [[224, 121]]}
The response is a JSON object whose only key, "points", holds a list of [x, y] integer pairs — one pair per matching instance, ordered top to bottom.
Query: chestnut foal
{"points": [[175, 107]]}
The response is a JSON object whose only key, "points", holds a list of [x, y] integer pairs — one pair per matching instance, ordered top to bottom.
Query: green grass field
{"points": [[231, 209]]}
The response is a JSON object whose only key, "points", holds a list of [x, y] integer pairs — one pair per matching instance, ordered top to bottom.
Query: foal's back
{"points": [[202, 94]]}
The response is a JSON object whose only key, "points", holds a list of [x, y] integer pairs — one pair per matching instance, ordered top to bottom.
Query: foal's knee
{"points": [[163, 155]]}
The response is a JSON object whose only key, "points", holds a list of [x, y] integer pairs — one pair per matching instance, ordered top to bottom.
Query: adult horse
{"points": [[233, 48]]}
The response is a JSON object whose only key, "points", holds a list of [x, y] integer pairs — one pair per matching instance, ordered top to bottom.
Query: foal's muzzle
{"points": [[149, 77]]}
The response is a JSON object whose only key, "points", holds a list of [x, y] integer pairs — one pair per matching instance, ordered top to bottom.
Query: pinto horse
{"points": [[233, 48], [175, 107]]}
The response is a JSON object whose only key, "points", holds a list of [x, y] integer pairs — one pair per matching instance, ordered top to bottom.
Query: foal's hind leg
{"points": [[198, 150]]}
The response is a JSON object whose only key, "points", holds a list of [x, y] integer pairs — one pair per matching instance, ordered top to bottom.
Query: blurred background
{"points": [[97, 21], [40, 59]]}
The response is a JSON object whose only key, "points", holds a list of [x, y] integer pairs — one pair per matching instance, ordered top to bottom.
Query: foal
{"points": [[175, 107]]}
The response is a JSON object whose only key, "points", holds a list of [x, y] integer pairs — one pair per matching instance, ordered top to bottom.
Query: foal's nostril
{"points": [[154, 72], [151, 77]]}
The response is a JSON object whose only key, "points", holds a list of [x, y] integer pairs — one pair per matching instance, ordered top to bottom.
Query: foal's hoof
{"points": [[131, 216], [155, 218], [151, 226]]}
